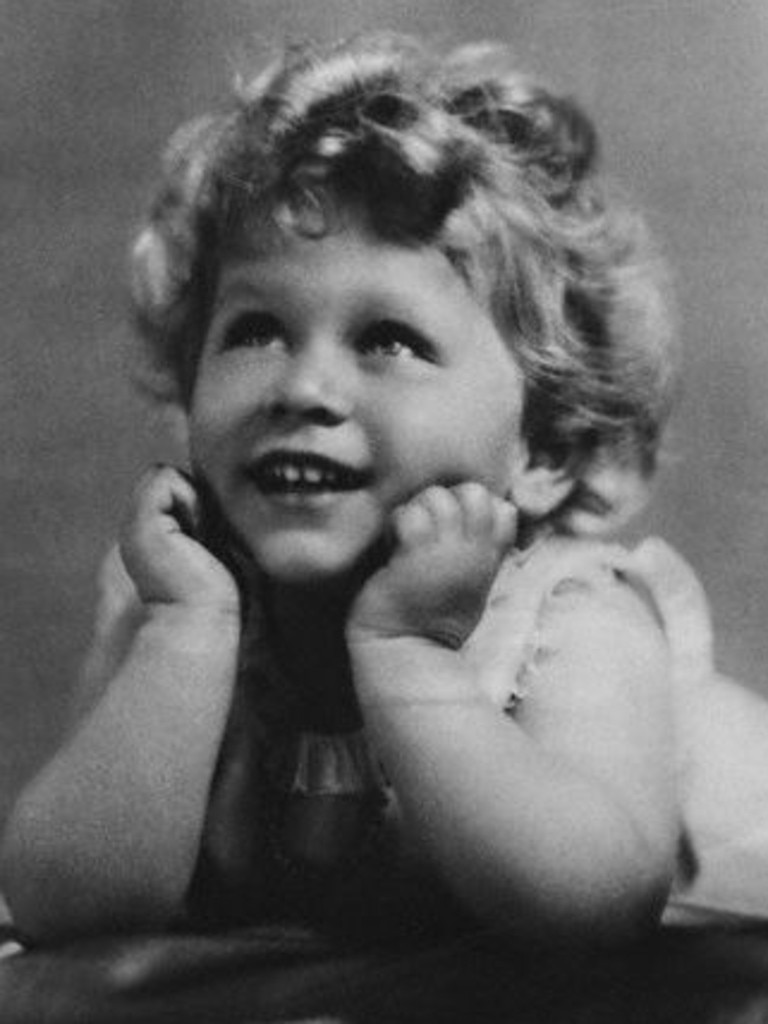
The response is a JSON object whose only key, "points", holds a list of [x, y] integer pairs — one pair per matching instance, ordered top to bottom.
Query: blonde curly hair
{"points": [[460, 151]]}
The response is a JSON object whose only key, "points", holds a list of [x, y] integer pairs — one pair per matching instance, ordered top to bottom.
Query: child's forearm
{"points": [[106, 836], [527, 842]]}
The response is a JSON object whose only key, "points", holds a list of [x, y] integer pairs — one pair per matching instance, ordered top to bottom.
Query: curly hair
{"points": [[462, 152]]}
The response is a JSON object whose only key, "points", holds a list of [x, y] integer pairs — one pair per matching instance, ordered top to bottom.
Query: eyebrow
{"points": [[271, 288], [238, 289]]}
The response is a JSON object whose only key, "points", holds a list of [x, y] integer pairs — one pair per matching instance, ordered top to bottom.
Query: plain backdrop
{"points": [[89, 91]]}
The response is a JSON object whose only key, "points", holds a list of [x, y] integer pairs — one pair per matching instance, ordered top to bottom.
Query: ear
{"points": [[175, 420], [537, 487]]}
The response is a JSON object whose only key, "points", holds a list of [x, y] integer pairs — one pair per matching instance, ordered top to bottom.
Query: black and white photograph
{"points": [[384, 511]]}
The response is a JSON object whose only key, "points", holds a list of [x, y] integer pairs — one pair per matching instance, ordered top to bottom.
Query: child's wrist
{"points": [[192, 624], [374, 642], [408, 669]]}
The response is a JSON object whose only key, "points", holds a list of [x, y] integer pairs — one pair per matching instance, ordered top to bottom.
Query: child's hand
{"points": [[449, 543], [166, 562]]}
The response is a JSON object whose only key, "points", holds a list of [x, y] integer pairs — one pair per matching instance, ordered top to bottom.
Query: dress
{"points": [[303, 825]]}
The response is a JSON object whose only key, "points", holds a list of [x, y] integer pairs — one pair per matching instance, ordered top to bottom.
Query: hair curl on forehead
{"points": [[462, 152]]}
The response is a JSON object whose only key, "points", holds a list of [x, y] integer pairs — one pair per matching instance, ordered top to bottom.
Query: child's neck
{"points": [[308, 637]]}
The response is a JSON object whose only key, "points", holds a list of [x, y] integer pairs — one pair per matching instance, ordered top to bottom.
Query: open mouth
{"points": [[287, 472]]}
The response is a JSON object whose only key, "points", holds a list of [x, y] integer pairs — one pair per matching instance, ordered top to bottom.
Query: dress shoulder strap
{"points": [[681, 602], [507, 637], [503, 642]]}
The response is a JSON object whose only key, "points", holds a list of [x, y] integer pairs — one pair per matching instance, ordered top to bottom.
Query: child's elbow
{"points": [[611, 888], [632, 892], [59, 898], [620, 902], [607, 905], [619, 913], [44, 917], [580, 919]]}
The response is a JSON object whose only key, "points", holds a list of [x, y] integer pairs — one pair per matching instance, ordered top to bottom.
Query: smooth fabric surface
{"points": [[701, 977]]}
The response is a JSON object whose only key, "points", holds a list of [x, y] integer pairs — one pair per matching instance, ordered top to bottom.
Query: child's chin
{"points": [[320, 569], [309, 572]]}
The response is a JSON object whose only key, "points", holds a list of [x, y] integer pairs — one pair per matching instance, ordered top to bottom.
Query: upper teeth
{"points": [[290, 473]]}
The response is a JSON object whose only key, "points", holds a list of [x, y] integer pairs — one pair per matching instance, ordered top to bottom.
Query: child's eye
{"points": [[254, 330], [394, 340]]}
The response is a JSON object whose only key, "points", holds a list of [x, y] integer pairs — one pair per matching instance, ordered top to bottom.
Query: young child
{"points": [[365, 666]]}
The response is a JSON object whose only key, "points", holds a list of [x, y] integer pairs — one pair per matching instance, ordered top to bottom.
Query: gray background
{"points": [[89, 90]]}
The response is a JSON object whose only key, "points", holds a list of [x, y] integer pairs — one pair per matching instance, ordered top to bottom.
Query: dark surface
{"points": [[261, 975]]}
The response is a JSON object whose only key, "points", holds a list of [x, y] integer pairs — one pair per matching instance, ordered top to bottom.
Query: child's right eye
{"points": [[254, 330]]}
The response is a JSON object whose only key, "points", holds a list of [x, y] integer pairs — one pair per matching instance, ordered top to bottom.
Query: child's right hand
{"points": [[167, 563]]}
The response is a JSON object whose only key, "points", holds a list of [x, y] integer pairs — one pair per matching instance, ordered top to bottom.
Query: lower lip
{"points": [[304, 499], [301, 501]]}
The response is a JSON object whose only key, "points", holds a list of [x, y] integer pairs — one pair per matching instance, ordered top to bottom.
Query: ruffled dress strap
{"points": [[654, 570], [681, 603], [509, 642]]}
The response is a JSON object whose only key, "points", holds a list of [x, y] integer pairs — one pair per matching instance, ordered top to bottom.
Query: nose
{"points": [[315, 384]]}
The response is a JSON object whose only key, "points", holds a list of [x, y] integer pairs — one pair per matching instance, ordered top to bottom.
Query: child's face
{"points": [[339, 377]]}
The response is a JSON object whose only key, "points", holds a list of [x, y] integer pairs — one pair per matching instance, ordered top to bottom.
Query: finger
{"points": [[166, 492], [476, 504], [442, 506], [154, 518], [413, 524], [504, 528]]}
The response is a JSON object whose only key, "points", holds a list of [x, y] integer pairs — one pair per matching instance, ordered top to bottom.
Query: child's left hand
{"points": [[449, 543]]}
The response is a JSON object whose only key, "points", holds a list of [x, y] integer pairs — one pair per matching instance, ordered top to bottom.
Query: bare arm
{"points": [[562, 824], [106, 836]]}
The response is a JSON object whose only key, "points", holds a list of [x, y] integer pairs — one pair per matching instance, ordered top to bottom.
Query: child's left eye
{"points": [[395, 341]]}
